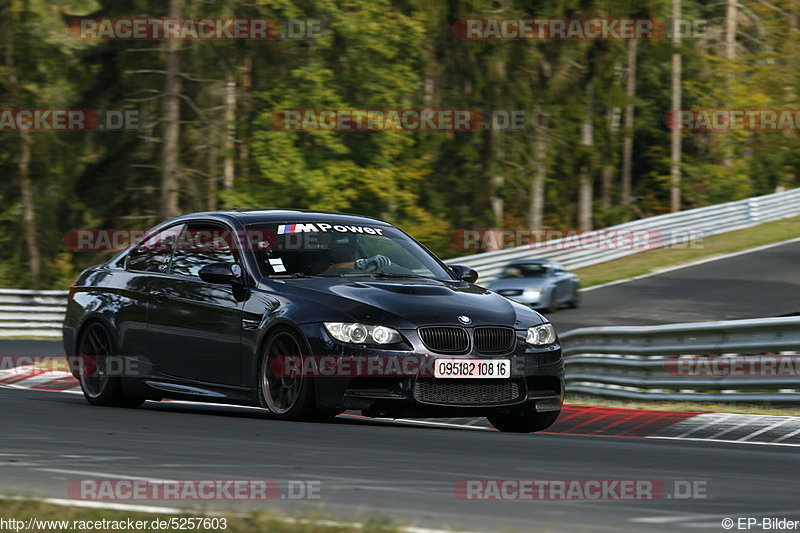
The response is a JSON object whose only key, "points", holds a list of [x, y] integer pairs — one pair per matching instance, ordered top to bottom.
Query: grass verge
{"points": [[725, 243], [254, 522]]}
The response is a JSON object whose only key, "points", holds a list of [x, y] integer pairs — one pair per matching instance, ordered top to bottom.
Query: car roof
{"points": [[255, 216]]}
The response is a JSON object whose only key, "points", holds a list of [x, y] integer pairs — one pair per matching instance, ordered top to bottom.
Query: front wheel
{"points": [[576, 299], [549, 307], [95, 349], [284, 390], [523, 423]]}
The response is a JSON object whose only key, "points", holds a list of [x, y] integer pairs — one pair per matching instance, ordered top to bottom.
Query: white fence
{"points": [[666, 230], [661, 362]]}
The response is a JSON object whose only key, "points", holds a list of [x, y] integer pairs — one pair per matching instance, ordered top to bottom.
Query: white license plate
{"points": [[472, 368]]}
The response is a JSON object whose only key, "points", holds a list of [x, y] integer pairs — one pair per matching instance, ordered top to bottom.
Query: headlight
{"points": [[532, 293], [361, 333], [541, 335]]}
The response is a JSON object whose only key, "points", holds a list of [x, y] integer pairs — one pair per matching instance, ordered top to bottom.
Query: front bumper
{"points": [[524, 297], [530, 302], [536, 382]]}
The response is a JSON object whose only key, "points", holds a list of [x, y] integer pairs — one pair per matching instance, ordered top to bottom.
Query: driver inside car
{"points": [[341, 253]]}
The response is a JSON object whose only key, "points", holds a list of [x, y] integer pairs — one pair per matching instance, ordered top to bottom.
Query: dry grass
{"points": [[254, 522]]}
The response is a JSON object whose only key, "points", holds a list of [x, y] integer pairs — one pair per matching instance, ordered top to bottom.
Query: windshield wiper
{"points": [[392, 275], [398, 275]]}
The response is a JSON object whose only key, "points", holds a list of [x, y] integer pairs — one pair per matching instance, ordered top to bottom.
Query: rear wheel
{"points": [[95, 349], [284, 390], [523, 422]]}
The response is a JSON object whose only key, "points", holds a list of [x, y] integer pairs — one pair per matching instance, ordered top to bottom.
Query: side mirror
{"points": [[220, 272], [464, 272]]}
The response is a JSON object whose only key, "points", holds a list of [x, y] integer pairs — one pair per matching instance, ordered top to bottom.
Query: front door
{"points": [[194, 327]]}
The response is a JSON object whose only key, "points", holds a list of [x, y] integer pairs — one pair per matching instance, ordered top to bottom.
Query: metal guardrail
{"points": [[670, 229], [25, 313], [633, 362]]}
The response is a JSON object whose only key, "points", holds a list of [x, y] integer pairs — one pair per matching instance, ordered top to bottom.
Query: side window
{"points": [[200, 245], [154, 253]]}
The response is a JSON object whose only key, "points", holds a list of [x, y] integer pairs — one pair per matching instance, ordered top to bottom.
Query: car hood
{"points": [[517, 283], [408, 304]]}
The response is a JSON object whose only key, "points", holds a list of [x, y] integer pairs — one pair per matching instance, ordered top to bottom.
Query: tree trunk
{"points": [[730, 29], [730, 55], [791, 56], [791, 87], [171, 109], [245, 111], [627, 143], [675, 157], [229, 166], [24, 167], [497, 179], [607, 179], [585, 181], [606, 184], [212, 202], [536, 206], [28, 209]]}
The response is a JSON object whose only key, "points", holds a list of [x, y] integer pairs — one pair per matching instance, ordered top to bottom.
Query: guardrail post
{"points": [[751, 207]]}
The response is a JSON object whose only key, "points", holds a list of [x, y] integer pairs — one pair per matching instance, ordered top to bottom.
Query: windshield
{"points": [[327, 249], [532, 270]]}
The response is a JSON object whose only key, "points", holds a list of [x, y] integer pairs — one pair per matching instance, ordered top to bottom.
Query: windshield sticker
{"points": [[324, 228], [277, 265]]}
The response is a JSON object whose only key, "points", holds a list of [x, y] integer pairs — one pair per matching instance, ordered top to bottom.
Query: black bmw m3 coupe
{"points": [[307, 314]]}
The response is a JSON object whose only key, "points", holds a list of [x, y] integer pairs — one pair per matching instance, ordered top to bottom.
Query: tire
{"points": [[576, 300], [549, 308], [95, 345], [287, 397], [523, 423]]}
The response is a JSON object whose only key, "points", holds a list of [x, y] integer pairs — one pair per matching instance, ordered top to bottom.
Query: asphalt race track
{"points": [[752, 285], [372, 469], [408, 472]]}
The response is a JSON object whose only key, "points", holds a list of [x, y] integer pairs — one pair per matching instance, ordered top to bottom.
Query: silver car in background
{"points": [[540, 284]]}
